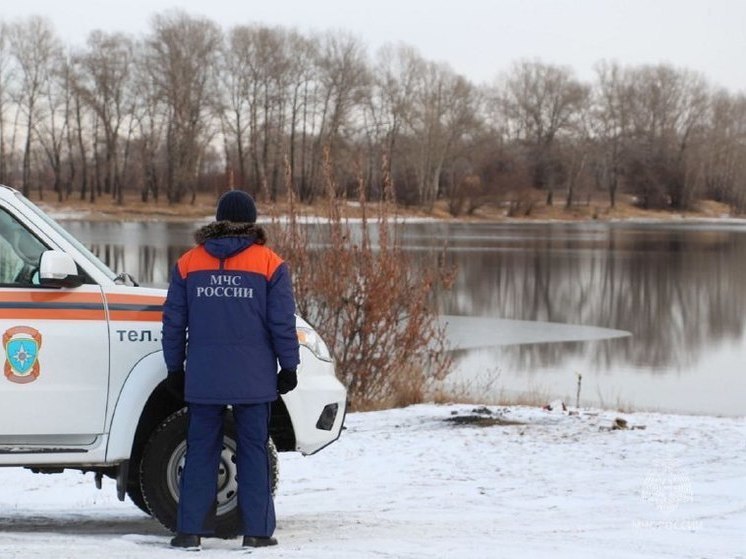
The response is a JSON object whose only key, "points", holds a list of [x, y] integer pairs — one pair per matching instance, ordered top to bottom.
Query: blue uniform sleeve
{"points": [[175, 316], [281, 318]]}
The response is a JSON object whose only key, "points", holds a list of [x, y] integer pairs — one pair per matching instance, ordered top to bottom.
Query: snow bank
{"points": [[447, 482]]}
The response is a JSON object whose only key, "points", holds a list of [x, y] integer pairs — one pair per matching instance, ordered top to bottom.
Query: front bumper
{"points": [[310, 404]]}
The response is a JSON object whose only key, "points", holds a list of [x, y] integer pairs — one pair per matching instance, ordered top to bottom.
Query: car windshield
{"points": [[68, 237]]}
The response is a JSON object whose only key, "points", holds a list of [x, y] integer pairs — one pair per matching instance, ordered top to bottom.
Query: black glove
{"points": [[287, 379], [175, 384]]}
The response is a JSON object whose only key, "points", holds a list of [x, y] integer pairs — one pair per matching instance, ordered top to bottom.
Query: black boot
{"points": [[259, 541], [189, 542]]}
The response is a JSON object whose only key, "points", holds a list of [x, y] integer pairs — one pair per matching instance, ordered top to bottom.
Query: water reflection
{"points": [[146, 250], [677, 289]]}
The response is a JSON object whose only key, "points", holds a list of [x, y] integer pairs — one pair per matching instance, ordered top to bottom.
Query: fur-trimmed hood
{"points": [[219, 229], [223, 239]]}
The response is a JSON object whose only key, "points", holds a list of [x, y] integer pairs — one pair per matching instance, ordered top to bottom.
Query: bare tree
{"points": [[34, 44], [181, 58], [260, 73], [301, 73], [396, 74], [6, 77], [343, 79], [105, 86], [232, 100], [540, 102], [445, 108], [668, 113], [148, 115], [611, 119], [50, 125], [725, 150]]}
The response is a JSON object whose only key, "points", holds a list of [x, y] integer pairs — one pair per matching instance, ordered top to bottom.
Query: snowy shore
{"points": [[447, 482]]}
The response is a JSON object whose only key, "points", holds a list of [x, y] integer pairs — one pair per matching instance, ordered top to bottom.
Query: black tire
{"points": [[160, 471]]}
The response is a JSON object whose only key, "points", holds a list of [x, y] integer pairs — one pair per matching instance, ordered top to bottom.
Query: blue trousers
{"points": [[197, 503]]}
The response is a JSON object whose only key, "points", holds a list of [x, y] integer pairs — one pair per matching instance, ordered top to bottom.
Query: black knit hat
{"points": [[236, 206]]}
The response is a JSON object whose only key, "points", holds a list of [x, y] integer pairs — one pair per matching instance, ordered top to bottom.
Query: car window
{"points": [[20, 252], [92, 258]]}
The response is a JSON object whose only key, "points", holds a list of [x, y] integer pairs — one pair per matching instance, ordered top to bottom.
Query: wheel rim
{"points": [[227, 475]]}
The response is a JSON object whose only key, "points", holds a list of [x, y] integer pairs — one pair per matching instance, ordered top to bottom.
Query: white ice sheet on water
{"points": [[468, 332], [407, 484]]}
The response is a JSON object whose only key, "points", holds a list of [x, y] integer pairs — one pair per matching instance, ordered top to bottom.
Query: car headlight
{"points": [[310, 339]]}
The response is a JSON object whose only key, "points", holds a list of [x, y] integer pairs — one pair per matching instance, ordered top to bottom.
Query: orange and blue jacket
{"points": [[230, 314]]}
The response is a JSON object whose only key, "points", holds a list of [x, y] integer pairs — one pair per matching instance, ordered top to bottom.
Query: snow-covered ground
{"points": [[427, 482]]}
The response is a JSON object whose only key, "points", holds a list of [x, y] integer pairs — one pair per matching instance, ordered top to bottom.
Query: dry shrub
{"points": [[468, 195], [522, 203], [369, 301]]}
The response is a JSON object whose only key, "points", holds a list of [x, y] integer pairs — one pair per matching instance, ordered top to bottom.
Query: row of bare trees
{"points": [[189, 107]]}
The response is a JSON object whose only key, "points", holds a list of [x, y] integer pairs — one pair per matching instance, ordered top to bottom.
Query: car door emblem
{"points": [[22, 345]]}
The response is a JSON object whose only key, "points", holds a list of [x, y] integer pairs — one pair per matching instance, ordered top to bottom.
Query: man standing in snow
{"points": [[233, 297]]}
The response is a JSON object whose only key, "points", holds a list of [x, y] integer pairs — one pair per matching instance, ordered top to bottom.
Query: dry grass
{"points": [[133, 208], [597, 208], [105, 209], [484, 391]]}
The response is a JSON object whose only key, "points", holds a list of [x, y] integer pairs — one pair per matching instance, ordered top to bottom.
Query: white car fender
{"points": [[144, 377]]}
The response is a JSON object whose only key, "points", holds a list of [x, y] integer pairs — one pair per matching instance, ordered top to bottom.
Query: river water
{"points": [[651, 316]]}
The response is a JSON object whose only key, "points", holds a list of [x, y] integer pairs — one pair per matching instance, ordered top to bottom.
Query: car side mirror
{"points": [[58, 269]]}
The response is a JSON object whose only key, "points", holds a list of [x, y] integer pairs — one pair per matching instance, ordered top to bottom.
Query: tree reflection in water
{"points": [[678, 288]]}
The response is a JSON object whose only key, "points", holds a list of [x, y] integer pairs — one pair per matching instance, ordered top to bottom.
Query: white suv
{"points": [[83, 374]]}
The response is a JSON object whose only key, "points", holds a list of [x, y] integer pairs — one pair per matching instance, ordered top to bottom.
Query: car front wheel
{"points": [[163, 462]]}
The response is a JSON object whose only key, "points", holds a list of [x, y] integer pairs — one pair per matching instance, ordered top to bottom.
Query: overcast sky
{"points": [[478, 38]]}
